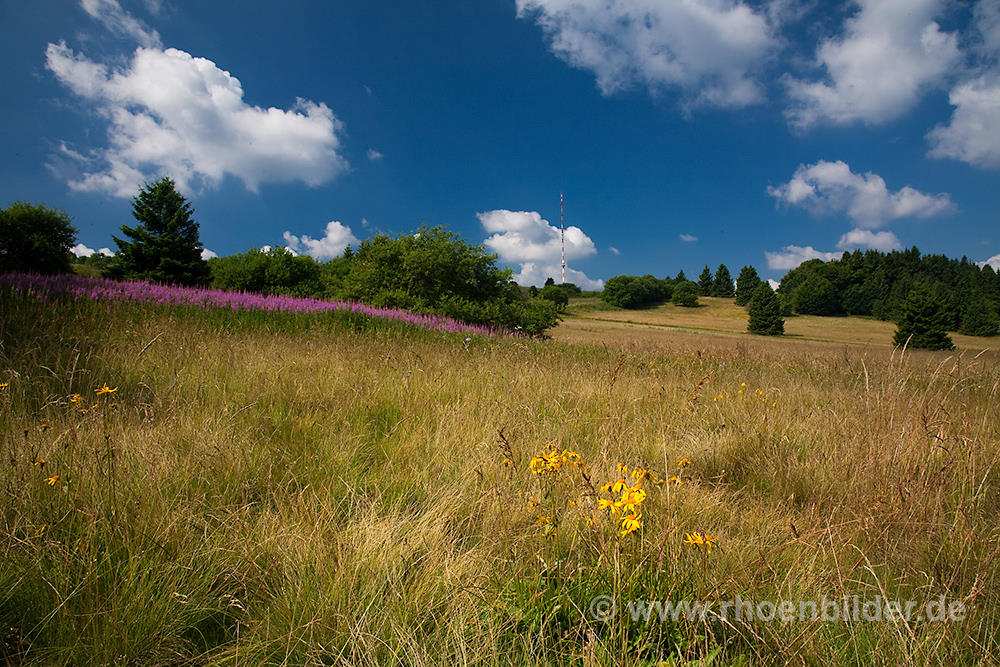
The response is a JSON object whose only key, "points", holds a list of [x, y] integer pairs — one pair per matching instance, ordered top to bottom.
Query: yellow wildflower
{"points": [[4, 385], [105, 390], [75, 398], [684, 462], [40, 463], [675, 480], [52, 481], [605, 504], [631, 523], [694, 539], [709, 541]]}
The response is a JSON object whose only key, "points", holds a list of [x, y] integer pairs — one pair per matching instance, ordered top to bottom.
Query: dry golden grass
{"points": [[722, 316], [255, 497]]}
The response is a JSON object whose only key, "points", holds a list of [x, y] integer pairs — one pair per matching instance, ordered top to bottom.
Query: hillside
{"points": [[590, 320], [186, 485]]}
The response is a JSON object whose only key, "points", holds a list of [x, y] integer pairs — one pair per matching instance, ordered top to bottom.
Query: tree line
{"points": [[428, 270]]}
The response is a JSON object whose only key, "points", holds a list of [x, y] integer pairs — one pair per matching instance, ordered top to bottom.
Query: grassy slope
{"points": [[588, 315], [249, 496]]}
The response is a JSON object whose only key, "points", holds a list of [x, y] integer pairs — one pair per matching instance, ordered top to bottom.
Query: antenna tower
{"points": [[562, 236]]}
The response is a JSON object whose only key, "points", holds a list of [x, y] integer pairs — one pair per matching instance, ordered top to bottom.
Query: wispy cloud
{"points": [[688, 238]]}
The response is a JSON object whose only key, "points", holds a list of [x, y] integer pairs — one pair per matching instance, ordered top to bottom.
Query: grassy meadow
{"points": [[185, 486]]}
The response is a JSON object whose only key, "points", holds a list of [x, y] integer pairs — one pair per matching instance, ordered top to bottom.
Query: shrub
{"points": [[35, 239], [765, 312]]}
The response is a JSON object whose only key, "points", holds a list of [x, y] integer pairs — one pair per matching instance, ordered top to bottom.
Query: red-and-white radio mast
{"points": [[562, 236]]}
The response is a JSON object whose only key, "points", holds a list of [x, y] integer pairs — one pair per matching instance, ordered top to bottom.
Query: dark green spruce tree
{"points": [[164, 247], [705, 281], [723, 283], [746, 285], [765, 312], [980, 317], [923, 321]]}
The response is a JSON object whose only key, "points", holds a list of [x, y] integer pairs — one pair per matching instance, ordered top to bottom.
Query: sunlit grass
{"points": [[263, 493]]}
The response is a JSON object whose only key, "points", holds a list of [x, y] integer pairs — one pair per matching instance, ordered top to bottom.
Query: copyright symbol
{"points": [[602, 608]]}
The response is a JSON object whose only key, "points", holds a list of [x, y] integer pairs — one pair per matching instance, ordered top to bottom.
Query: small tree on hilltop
{"points": [[35, 239], [164, 246], [705, 281], [723, 284], [746, 285], [685, 294], [765, 312], [923, 322]]}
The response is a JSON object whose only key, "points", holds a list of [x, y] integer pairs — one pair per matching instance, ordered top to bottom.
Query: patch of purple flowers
{"points": [[104, 289]]}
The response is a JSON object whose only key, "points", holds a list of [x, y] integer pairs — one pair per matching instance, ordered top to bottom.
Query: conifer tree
{"points": [[164, 247], [680, 277], [705, 281], [723, 283], [746, 285], [765, 312], [980, 317], [923, 321]]}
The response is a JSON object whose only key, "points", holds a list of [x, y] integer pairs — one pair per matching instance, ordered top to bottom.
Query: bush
{"points": [[35, 239], [276, 271], [636, 291], [686, 294]]}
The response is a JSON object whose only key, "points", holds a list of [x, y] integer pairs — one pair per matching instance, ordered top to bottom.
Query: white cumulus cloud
{"points": [[708, 50], [890, 54], [170, 113], [973, 133], [374, 155], [832, 188], [335, 238], [865, 238], [526, 239], [81, 250], [207, 254], [792, 255], [993, 262]]}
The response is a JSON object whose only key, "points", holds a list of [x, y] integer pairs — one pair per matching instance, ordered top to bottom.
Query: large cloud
{"points": [[709, 50], [891, 53], [173, 114], [831, 187], [335, 238], [524, 238]]}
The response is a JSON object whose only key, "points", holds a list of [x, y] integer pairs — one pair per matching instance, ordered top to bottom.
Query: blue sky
{"points": [[682, 133]]}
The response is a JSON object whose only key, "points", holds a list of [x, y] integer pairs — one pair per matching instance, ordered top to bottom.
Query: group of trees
{"points": [[428, 270], [901, 286], [765, 311]]}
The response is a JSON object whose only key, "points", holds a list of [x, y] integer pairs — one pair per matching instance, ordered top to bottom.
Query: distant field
{"points": [[590, 320]]}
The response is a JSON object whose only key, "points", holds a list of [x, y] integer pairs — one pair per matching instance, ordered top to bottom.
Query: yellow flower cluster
{"points": [[743, 385], [553, 460], [630, 497], [700, 540]]}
